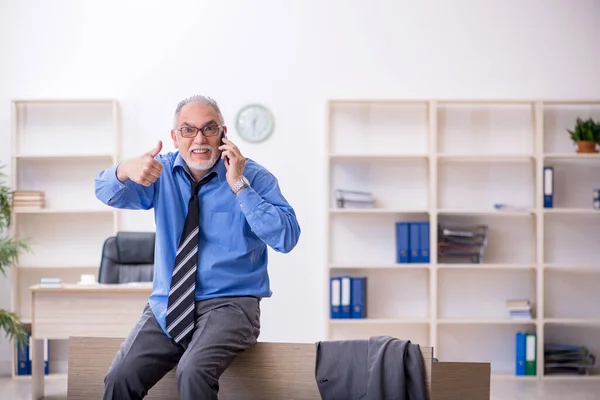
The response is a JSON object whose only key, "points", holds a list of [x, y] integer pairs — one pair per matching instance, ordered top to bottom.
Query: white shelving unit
{"points": [[58, 147], [451, 161]]}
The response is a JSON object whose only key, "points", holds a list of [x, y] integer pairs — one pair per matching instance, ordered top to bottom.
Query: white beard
{"points": [[202, 165]]}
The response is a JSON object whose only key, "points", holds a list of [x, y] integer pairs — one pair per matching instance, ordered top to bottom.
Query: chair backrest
{"points": [[127, 257]]}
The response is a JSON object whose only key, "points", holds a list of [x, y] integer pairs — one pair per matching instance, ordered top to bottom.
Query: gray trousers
{"points": [[224, 327]]}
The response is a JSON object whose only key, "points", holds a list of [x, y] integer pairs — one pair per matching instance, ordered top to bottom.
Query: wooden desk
{"points": [[81, 310]]}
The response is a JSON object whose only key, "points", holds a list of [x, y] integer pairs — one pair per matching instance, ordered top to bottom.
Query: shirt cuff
{"points": [[113, 183], [248, 199]]}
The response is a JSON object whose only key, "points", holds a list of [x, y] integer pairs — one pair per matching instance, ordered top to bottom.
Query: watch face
{"points": [[255, 123]]}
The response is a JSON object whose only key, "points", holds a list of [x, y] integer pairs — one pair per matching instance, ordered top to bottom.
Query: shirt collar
{"points": [[219, 167]]}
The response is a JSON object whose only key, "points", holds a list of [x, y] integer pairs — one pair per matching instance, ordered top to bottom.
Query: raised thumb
{"points": [[157, 149]]}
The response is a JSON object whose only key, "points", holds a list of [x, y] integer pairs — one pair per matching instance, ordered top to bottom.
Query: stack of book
{"points": [[29, 199], [353, 199], [461, 244], [519, 309], [568, 360]]}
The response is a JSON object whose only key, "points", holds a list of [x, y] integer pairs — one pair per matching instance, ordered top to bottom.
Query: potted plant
{"points": [[586, 135], [10, 248]]}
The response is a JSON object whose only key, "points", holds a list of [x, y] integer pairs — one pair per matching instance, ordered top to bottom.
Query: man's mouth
{"points": [[200, 151]]}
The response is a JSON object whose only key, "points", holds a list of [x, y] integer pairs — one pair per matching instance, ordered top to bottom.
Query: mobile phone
{"points": [[223, 135]]}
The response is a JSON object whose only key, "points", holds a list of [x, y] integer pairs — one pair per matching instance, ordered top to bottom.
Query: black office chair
{"points": [[127, 257]]}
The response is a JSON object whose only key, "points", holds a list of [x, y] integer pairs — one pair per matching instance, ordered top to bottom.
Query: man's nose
{"points": [[200, 139]]}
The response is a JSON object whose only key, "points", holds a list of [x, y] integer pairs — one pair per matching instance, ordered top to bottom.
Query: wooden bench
{"points": [[267, 371]]}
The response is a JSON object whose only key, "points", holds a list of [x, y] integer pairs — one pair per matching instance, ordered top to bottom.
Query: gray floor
{"points": [[502, 389]]}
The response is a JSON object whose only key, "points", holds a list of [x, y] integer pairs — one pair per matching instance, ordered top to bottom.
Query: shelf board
{"points": [[64, 101], [572, 155], [67, 156], [377, 157], [486, 158], [18, 210], [375, 211], [571, 211], [485, 212], [398, 266], [486, 266], [572, 267], [23, 268], [379, 321], [484, 321], [572, 321], [51, 376], [513, 377], [559, 377]]}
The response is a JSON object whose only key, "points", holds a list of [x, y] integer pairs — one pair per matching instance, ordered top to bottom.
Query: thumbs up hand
{"points": [[143, 169]]}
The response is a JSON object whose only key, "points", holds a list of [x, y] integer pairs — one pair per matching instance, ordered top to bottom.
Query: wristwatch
{"points": [[240, 184]]}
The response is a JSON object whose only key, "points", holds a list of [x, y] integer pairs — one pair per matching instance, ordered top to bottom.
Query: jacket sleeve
{"points": [[126, 195], [268, 213]]}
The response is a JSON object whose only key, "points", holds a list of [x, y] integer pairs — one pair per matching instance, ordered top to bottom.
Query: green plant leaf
{"points": [[588, 129], [10, 249], [14, 329]]}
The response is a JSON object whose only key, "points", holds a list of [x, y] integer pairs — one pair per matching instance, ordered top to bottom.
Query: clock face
{"points": [[255, 123]]}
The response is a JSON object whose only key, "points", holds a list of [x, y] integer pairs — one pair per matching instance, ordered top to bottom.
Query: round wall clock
{"points": [[255, 123]]}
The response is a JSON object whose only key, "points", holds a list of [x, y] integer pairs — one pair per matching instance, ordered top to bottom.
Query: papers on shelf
{"points": [[353, 199], [459, 244]]}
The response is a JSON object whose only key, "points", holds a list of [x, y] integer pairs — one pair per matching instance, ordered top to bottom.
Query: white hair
{"points": [[197, 99]]}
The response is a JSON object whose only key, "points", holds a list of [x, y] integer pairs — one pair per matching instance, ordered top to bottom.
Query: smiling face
{"points": [[200, 153]]}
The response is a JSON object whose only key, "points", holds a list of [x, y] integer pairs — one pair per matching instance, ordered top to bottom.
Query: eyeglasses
{"points": [[192, 131]]}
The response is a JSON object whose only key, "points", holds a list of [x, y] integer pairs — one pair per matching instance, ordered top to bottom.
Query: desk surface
{"points": [[144, 287]]}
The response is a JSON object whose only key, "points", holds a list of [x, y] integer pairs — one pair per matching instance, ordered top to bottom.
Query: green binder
{"points": [[530, 354]]}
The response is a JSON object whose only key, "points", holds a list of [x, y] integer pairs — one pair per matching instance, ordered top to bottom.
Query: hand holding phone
{"points": [[235, 162]]}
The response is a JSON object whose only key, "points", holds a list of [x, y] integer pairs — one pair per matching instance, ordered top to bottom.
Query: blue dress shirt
{"points": [[234, 230]]}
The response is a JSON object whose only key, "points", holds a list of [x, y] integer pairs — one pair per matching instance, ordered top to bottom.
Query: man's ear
{"points": [[174, 137]]}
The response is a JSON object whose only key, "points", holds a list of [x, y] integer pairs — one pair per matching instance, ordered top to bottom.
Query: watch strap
{"points": [[241, 183]]}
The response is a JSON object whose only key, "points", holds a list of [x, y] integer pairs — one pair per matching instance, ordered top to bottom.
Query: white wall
{"points": [[291, 56]]}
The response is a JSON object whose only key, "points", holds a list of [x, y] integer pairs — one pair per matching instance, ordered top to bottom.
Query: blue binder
{"points": [[548, 187], [414, 239], [402, 242], [424, 242], [346, 296], [335, 297], [359, 297], [520, 346], [23, 364], [46, 365]]}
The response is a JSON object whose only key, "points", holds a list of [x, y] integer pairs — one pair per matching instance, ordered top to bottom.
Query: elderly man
{"points": [[215, 213]]}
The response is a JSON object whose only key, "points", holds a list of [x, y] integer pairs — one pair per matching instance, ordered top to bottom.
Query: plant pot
{"points": [[586, 146]]}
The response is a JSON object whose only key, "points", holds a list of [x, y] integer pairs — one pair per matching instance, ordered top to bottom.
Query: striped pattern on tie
{"points": [[181, 304]]}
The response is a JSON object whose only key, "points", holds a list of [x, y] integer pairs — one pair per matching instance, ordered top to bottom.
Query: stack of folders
{"points": [[28, 199], [354, 199], [412, 242], [461, 244], [54, 282], [348, 297], [519, 309], [526, 354], [568, 360]]}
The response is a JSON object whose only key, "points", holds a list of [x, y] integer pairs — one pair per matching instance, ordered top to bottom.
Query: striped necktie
{"points": [[181, 304]]}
